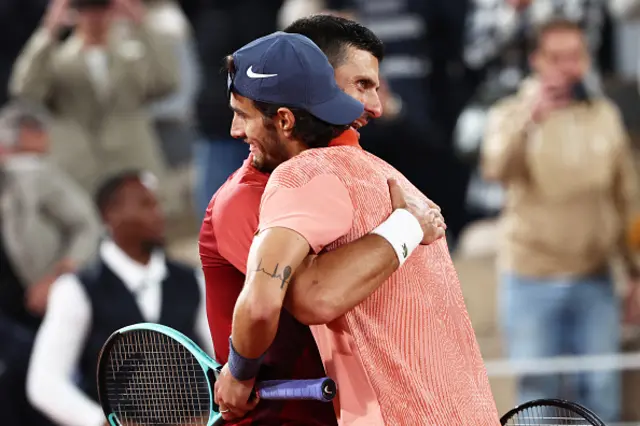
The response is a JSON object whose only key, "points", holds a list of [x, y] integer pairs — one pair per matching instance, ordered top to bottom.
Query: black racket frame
{"points": [[578, 409]]}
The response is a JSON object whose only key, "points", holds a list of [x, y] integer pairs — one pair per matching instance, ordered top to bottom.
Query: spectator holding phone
{"points": [[96, 84], [563, 156]]}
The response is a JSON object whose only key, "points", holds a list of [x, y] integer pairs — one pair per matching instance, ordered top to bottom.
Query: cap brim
{"points": [[342, 109]]}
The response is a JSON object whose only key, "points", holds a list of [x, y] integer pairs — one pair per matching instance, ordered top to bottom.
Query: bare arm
{"points": [[275, 255], [327, 286]]}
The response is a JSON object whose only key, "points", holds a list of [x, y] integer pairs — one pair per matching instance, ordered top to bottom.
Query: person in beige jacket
{"points": [[96, 84], [563, 157], [48, 225]]}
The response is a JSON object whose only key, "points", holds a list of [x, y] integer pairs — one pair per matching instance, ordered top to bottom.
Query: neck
{"points": [[296, 148], [137, 251]]}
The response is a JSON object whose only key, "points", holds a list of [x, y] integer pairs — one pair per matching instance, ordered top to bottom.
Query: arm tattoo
{"points": [[282, 277]]}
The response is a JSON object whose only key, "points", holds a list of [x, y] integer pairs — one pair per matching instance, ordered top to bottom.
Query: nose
{"points": [[373, 106], [237, 128]]}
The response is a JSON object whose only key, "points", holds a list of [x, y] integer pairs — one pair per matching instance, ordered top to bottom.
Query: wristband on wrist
{"points": [[403, 231], [242, 368]]}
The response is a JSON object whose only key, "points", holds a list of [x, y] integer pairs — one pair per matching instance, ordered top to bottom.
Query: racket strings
{"points": [[152, 380], [547, 416]]}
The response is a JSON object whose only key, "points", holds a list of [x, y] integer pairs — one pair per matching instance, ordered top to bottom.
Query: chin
{"points": [[156, 243]]}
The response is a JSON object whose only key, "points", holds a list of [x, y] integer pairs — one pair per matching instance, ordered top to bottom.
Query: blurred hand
{"points": [[519, 5], [133, 10], [346, 14], [56, 16], [552, 95], [389, 101], [428, 214], [65, 266], [38, 294], [631, 314]]}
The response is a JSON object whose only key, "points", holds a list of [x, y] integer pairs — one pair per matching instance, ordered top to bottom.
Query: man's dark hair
{"points": [[553, 25], [333, 35], [312, 131], [110, 188]]}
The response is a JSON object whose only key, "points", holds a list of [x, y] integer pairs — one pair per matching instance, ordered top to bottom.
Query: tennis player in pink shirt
{"points": [[407, 355]]}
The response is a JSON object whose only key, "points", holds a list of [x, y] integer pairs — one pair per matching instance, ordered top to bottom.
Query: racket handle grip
{"points": [[317, 389]]}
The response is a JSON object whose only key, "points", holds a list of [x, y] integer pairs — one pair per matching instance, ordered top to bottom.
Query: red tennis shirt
{"points": [[226, 234]]}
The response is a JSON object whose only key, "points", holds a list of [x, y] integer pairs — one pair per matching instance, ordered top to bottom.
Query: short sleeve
{"points": [[321, 210], [236, 223]]}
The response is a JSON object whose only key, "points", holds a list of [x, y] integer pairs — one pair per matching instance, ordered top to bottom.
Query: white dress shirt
{"points": [[97, 62], [60, 341]]}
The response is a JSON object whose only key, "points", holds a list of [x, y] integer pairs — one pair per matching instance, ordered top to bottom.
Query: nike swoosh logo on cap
{"points": [[252, 74]]}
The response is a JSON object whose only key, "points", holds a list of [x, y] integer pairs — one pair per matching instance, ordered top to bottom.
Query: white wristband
{"points": [[403, 231]]}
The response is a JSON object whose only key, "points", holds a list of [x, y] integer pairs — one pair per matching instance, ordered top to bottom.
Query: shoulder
{"points": [[607, 108], [309, 164], [237, 195], [89, 275], [67, 293]]}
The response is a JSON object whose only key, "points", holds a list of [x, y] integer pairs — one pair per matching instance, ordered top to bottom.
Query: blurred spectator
{"points": [[221, 28], [496, 48], [427, 77], [96, 84], [174, 115], [563, 156], [47, 227], [130, 282]]}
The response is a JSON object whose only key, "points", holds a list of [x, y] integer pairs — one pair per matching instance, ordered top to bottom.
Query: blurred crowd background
{"points": [[96, 90]]}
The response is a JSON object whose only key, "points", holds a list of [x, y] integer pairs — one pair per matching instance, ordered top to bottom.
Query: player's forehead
{"points": [[359, 64], [240, 104]]}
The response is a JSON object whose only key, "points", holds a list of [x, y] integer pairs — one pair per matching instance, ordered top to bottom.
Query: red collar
{"points": [[348, 138]]}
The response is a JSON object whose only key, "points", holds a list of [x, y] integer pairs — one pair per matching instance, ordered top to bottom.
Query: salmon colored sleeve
{"points": [[321, 210], [236, 223]]}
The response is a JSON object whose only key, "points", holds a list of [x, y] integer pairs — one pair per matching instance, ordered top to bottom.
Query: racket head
{"points": [[149, 374], [550, 412]]}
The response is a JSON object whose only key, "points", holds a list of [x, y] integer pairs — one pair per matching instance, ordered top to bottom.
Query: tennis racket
{"points": [[152, 375], [547, 412]]}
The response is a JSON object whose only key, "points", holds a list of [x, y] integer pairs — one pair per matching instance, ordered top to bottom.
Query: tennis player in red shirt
{"points": [[327, 285]]}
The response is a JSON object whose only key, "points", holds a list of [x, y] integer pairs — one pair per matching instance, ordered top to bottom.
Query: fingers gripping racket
{"points": [[152, 375], [547, 412]]}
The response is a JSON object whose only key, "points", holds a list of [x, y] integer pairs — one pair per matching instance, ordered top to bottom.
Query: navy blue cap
{"points": [[290, 70]]}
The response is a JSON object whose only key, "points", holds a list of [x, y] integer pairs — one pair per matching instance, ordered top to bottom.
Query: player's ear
{"points": [[285, 120]]}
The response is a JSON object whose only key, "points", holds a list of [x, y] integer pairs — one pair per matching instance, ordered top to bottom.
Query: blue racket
{"points": [[152, 375]]}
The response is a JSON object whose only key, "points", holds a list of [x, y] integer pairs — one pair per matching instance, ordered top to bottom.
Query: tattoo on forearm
{"points": [[282, 277]]}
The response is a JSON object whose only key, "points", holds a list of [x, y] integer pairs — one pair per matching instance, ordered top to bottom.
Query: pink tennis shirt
{"points": [[407, 355]]}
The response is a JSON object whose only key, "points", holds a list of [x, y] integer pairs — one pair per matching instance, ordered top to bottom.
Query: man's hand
{"points": [[519, 5], [57, 16], [553, 94], [428, 214], [65, 266], [37, 296], [631, 313], [233, 395]]}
